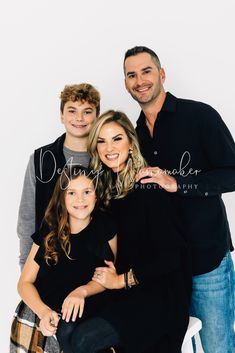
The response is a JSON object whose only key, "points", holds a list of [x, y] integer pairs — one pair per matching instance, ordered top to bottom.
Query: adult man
{"points": [[79, 107], [191, 154]]}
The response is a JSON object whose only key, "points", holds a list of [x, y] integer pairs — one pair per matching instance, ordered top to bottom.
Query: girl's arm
{"points": [[113, 245], [108, 277], [26, 287], [30, 295], [75, 301]]}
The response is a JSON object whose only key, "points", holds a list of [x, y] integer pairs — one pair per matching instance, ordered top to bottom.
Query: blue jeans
{"points": [[213, 302]]}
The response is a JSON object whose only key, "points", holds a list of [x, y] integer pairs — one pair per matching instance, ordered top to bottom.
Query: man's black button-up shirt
{"points": [[192, 143]]}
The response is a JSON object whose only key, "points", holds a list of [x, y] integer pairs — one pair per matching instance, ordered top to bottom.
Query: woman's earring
{"points": [[130, 152], [100, 167]]}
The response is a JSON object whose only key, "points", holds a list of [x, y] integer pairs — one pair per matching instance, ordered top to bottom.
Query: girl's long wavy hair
{"points": [[126, 178], [56, 215]]}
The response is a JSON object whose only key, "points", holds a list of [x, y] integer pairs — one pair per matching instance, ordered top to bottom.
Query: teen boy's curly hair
{"points": [[83, 92]]}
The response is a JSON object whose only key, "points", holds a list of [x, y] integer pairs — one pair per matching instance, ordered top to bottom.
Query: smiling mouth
{"points": [[142, 89], [79, 126], [112, 157], [79, 207]]}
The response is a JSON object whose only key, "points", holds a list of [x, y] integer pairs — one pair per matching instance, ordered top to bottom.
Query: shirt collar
{"points": [[169, 105]]}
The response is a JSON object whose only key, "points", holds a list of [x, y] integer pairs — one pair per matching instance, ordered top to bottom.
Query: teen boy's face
{"points": [[143, 79], [78, 118]]}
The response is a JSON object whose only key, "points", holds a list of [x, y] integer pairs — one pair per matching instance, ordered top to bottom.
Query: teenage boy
{"points": [[79, 107]]}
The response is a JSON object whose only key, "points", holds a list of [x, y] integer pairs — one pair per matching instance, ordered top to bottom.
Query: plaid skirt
{"points": [[26, 336]]}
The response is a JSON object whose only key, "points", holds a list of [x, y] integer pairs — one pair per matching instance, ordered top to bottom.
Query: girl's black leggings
{"points": [[90, 336]]}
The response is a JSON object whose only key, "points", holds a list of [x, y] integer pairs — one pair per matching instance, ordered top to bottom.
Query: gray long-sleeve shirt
{"points": [[26, 215]]}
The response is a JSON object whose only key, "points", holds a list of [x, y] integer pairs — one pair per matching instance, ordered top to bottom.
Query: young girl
{"points": [[56, 280]]}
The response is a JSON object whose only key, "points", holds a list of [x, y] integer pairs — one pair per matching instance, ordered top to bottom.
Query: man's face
{"points": [[143, 79], [78, 118]]}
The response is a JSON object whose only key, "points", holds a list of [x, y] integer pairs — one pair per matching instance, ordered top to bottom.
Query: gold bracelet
{"points": [[132, 280]]}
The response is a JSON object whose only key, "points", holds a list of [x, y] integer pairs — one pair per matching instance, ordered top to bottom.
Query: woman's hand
{"points": [[158, 176], [108, 277], [73, 304], [49, 322]]}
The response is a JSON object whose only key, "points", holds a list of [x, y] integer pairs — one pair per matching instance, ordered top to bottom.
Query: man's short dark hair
{"points": [[141, 49]]}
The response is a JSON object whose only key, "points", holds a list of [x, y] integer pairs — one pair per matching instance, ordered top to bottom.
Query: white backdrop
{"points": [[47, 44]]}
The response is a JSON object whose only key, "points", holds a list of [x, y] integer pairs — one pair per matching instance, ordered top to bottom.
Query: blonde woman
{"points": [[150, 281]]}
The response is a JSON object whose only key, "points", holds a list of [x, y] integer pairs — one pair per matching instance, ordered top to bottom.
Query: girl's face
{"points": [[113, 146], [80, 199]]}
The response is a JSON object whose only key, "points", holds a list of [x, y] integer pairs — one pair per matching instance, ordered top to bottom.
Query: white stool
{"points": [[194, 327]]}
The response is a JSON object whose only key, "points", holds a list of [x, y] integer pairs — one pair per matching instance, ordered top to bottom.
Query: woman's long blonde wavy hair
{"points": [[126, 177], [56, 215]]}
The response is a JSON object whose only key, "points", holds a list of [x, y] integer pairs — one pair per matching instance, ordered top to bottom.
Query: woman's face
{"points": [[113, 146]]}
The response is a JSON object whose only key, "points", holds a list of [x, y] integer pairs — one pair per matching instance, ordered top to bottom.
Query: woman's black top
{"points": [[151, 242], [89, 248]]}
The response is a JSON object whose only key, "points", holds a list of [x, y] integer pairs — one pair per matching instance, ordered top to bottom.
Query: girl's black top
{"points": [[89, 249]]}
